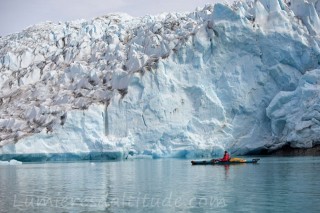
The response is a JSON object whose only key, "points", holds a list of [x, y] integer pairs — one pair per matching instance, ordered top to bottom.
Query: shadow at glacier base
{"points": [[287, 150], [182, 154], [108, 156], [60, 157]]}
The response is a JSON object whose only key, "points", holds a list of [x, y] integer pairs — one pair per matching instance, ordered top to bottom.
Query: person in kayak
{"points": [[226, 157]]}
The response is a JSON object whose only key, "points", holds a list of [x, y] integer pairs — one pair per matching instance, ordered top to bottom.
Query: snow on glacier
{"points": [[240, 77]]}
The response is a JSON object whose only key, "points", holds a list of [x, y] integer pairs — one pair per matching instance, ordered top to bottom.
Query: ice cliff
{"points": [[243, 77]]}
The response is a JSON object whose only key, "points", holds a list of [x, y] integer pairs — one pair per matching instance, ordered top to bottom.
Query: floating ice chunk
{"points": [[11, 162], [15, 162]]}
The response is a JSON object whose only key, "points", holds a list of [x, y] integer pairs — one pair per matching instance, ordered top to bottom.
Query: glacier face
{"points": [[241, 77], [295, 115]]}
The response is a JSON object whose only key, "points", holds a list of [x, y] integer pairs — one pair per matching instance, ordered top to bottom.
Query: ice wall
{"points": [[184, 85], [295, 115]]}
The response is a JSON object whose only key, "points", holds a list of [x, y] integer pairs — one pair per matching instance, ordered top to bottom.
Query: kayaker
{"points": [[226, 157]]}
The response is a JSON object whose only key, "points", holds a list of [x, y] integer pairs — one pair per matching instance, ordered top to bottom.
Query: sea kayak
{"points": [[216, 162]]}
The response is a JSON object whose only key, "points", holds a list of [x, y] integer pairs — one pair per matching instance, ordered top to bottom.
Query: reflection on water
{"points": [[226, 170], [168, 185]]}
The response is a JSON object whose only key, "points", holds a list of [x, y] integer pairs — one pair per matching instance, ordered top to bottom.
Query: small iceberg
{"points": [[11, 162]]}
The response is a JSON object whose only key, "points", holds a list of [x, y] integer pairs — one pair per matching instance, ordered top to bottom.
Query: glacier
{"points": [[242, 77]]}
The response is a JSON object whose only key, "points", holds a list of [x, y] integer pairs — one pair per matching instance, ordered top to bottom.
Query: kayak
{"points": [[232, 161]]}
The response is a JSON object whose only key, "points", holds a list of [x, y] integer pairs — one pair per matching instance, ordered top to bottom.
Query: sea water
{"points": [[275, 184]]}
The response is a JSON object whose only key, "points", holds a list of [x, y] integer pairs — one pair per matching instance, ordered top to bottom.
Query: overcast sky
{"points": [[16, 15]]}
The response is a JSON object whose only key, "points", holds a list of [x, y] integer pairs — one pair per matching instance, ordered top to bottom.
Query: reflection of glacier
{"points": [[242, 78]]}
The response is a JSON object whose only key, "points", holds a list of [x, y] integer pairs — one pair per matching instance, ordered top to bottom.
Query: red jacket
{"points": [[225, 158]]}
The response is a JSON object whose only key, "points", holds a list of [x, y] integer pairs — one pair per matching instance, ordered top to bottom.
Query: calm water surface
{"points": [[166, 185]]}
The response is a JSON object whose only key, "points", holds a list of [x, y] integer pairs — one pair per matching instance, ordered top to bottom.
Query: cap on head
{"points": [[225, 152]]}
